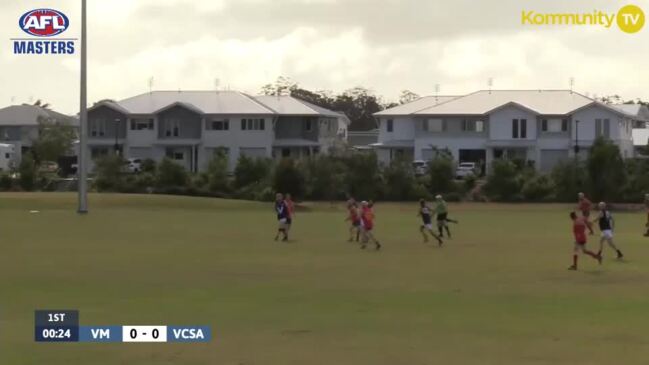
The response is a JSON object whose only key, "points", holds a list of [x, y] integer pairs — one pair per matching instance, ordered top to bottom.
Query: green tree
{"points": [[407, 96], [55, 139], [606, 170], [251, 171], [441, 171], [27, 172], [109, 172], [217, 172], [171, 175], [325, 177], [569, 177], [288, 178], [363, 178], [399, 180], [503, 183]]}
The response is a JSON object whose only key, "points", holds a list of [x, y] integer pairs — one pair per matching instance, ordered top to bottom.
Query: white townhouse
{"points": [[19, 126], [189, 126], [539, 126]]}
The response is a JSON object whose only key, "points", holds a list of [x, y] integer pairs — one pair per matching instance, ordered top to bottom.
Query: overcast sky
{"points": [[384, 45]]}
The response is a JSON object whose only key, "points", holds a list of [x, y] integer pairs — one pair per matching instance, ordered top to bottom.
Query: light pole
{"points": [[83, 120], [117, 120], [576, 139]]}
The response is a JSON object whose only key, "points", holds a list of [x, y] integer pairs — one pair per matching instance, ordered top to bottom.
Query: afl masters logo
{"points": [[43, 24]]}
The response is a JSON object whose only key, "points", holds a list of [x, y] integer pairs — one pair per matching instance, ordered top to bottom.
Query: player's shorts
{"points": [[585, 213], [442, 217], [289, 221], [281, 223], [356, 223], [428, 226], [367, 227], [607, 233], [580, 242]]}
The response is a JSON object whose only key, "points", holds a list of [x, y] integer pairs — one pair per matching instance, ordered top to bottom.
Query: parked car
{"points": [[134, 165], [48, 167], [420, 167], [465, 169]]}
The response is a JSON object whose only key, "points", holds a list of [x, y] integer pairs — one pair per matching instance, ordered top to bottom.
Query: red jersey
{"points": [[585, 205], [290, 207], [367, 218], [579, 230]]}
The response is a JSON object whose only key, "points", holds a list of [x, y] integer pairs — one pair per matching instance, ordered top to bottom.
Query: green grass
{"points": [[498, 293]]}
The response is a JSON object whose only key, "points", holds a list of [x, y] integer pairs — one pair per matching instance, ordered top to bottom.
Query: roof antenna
{"points": [[217, 82], [490, 83], [572, 83], [151, 85], [436, 92], [13, 100]]}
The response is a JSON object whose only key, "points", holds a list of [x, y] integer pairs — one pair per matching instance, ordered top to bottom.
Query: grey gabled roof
{"points": [[209, 102], [289, 105], [415, 106], [636, 111], [28, 115]]}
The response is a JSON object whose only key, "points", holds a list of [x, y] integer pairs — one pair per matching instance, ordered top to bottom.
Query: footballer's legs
{"points": [[440, 228], [422, 229], [438, 238], [611, 244], [575, 257]]}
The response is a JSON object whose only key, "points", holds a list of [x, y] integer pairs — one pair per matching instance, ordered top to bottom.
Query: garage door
{"points": [[550, 158]]}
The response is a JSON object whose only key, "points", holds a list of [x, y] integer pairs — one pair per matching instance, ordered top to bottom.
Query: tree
{"points": [[282, 86], [407, 96], [359, 104], [55, 139], [440, 170], [606, 170], [27, 171], [250, 171], [109, 172], [217, 172], [171, 174], [325, 177], [288, 178], [363, 178], [570, 178], [399, 180], [503, 184]]}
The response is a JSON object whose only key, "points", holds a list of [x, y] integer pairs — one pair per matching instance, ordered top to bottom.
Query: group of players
{"points": [[361, 218]]}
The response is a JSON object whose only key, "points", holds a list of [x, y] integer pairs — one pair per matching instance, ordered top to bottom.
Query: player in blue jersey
{"points": [[426, 215], [283, 216], [606, 226]]}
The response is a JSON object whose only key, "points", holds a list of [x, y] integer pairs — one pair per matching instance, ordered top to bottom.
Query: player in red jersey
{"points": [[290, 206], [585, 206], [354, 218], [367, 224], [579, 230]]}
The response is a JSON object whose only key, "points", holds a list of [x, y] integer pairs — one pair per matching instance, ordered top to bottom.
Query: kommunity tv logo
{"points": [[629, 19]]}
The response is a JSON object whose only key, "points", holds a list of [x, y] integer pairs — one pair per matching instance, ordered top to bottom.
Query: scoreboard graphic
{"points": [[63, 326]]}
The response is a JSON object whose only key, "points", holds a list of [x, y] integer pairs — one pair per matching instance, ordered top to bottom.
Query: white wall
{"points": [[500, 123], [403, 129], [453, 143]]}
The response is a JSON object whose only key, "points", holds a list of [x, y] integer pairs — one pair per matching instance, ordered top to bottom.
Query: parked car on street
{"points": [[420, 167], [465, 169]]}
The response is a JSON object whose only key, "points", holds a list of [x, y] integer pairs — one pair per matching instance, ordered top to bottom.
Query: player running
{"points": [[290, 206], [585, 206], [441, 209], [282, 217], [354, 218], [427, 222], [367, 225], [606, 226], [579, 230]]}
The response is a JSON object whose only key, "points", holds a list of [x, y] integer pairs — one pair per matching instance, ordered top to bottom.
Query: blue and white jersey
{"points": [[281, 209]]}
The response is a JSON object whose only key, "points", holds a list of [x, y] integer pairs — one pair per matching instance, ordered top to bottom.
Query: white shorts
{"points": [[428, 226], [607, 233]]}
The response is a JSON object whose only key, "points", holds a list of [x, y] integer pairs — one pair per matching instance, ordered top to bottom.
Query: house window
{"points": [[142, 124], [253, 124], [218, 125], [308, 125], [390, 125], [434, 125], [554, 125], [473, 126], [98, 128], [172, 128], [519, 128], [602, 128], [98, 152], [175, 154]]}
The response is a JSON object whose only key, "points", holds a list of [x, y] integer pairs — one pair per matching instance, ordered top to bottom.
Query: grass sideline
{"points": [[499, 293]]}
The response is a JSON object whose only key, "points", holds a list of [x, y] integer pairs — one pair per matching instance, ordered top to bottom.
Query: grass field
{"points": [[498, 293]]}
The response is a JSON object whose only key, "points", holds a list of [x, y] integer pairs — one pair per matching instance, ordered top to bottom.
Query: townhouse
{"points": [[19, 126], [189, 126], [539, 126]]}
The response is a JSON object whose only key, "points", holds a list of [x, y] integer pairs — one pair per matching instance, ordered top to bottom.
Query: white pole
{"points": [[83, 120]]}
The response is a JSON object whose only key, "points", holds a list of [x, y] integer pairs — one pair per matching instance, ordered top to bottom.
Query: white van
{"points": [[7, 153]]}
